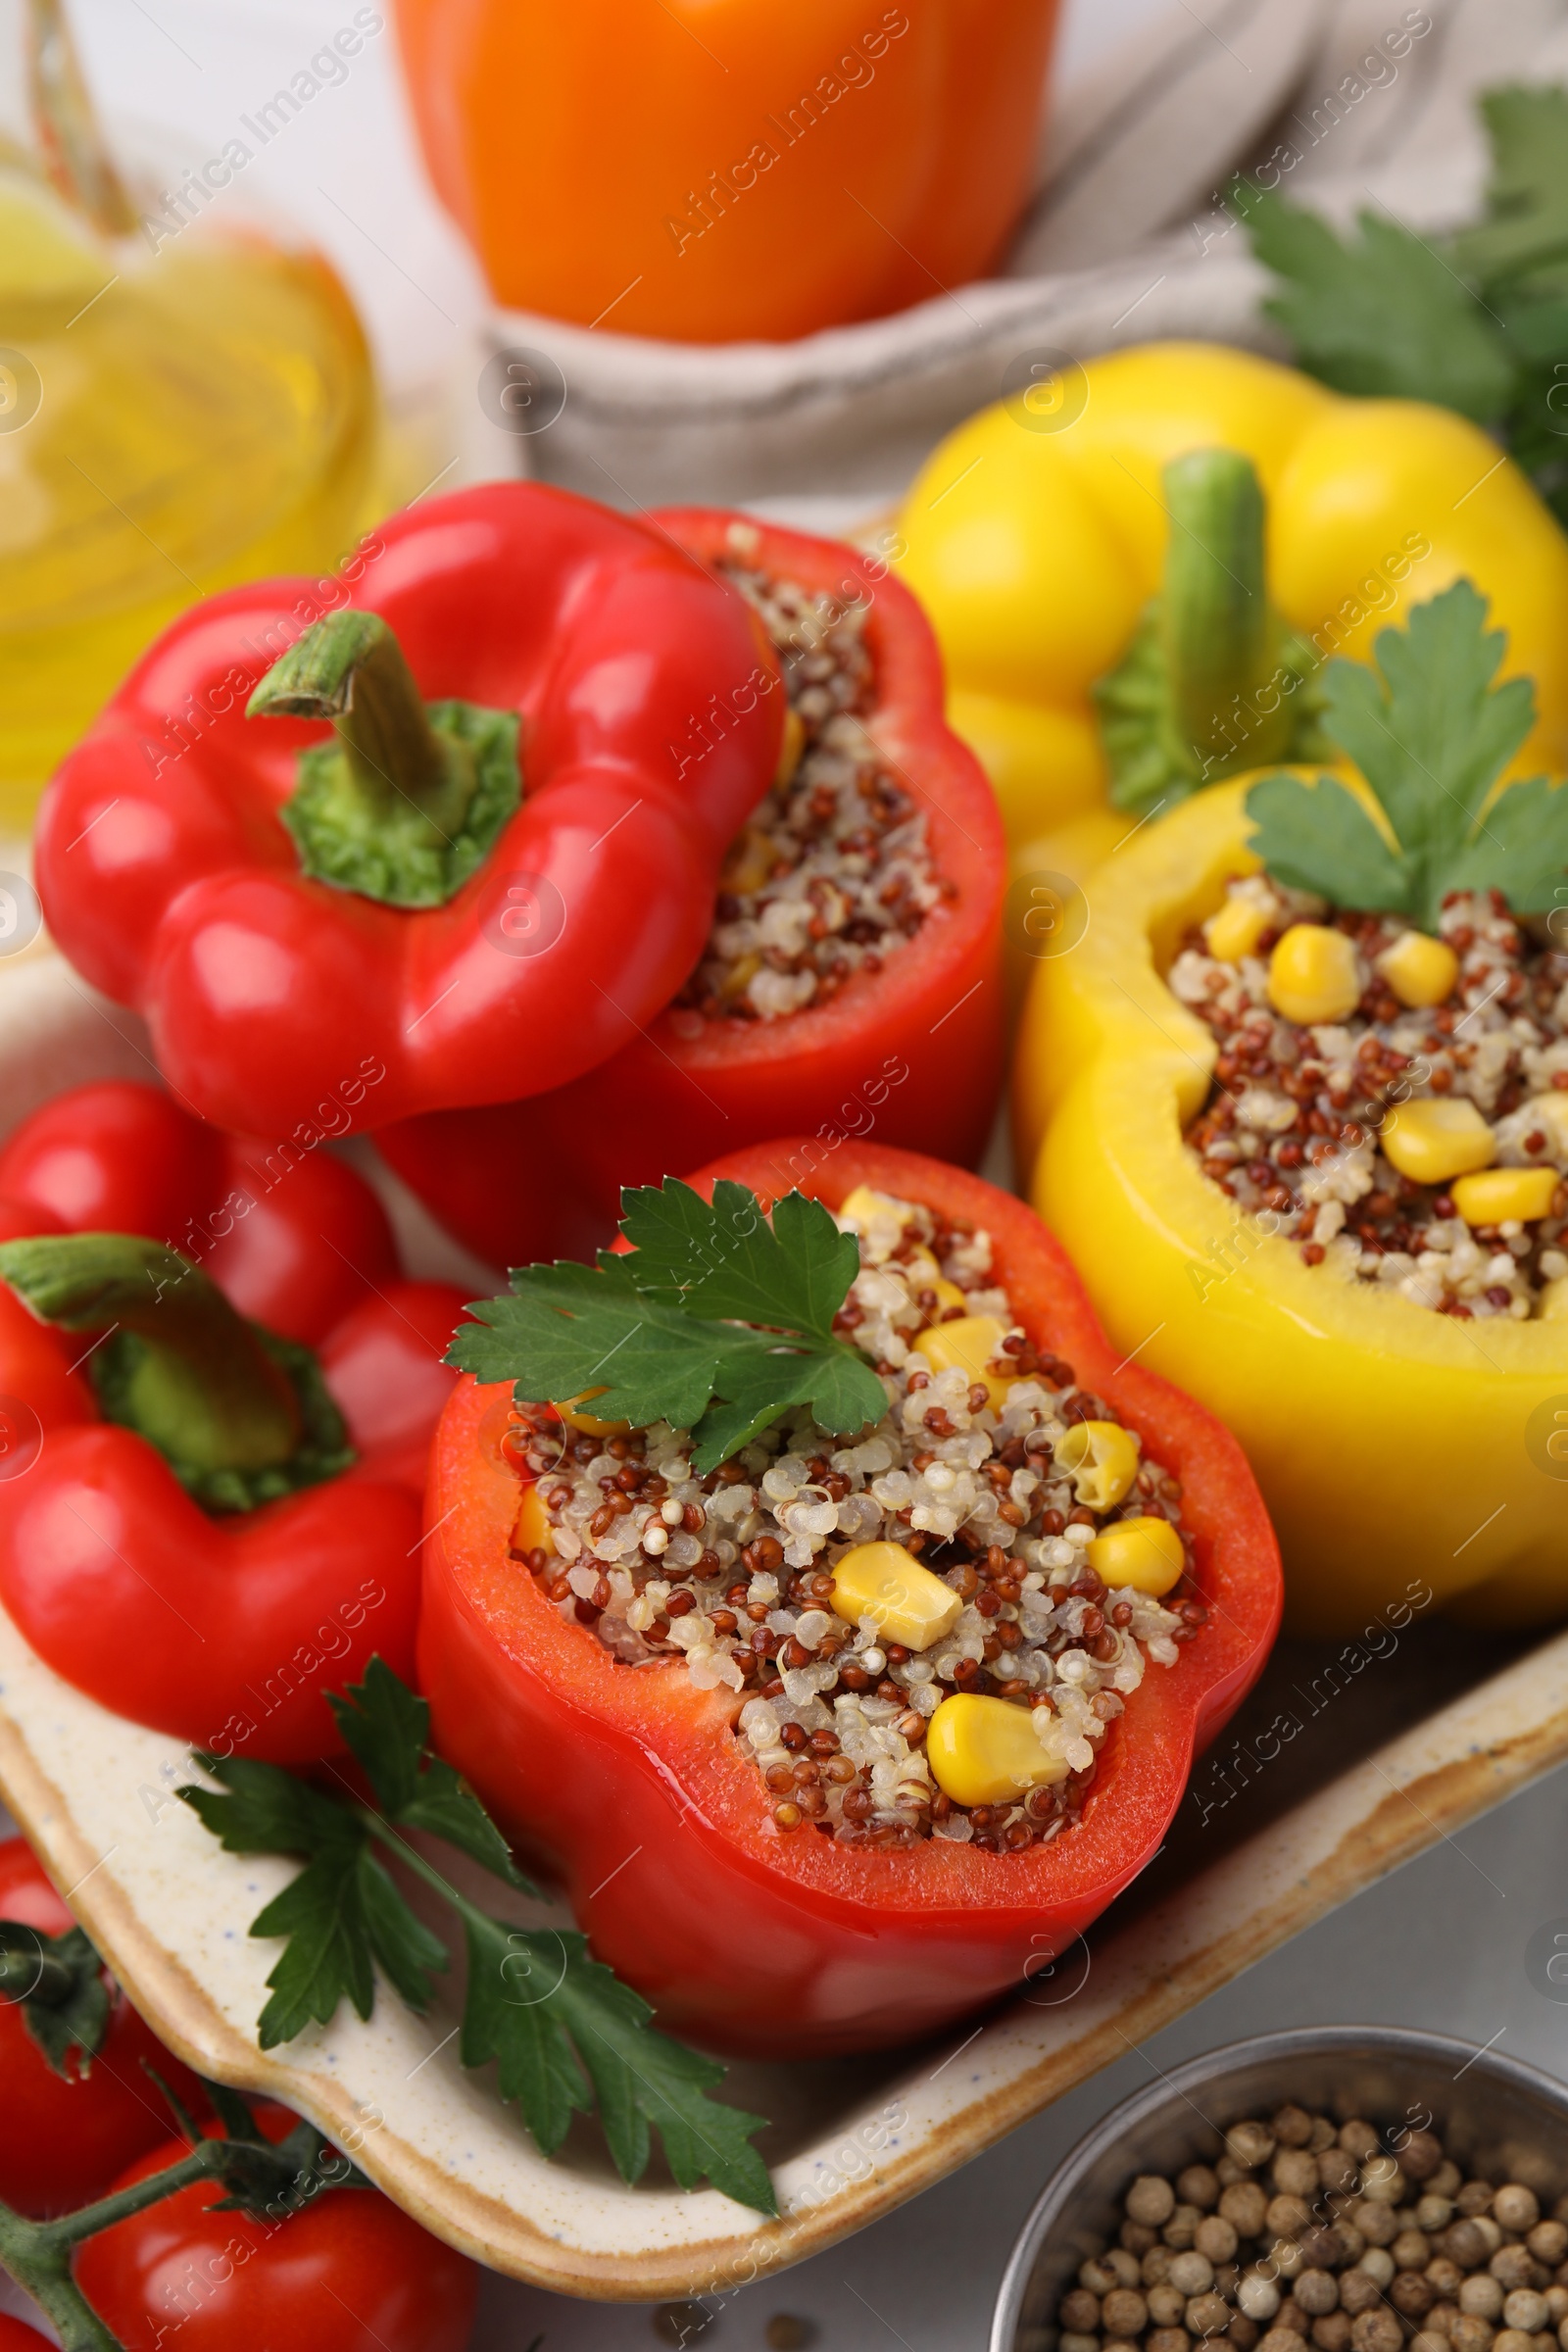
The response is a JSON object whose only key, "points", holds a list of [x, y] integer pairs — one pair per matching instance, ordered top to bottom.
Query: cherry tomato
{"points": [[124, 1157], [63, 2141], [350, 2271], [16, 2336]]}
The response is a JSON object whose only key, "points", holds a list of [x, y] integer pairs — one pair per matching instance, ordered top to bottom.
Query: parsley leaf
{"points": [[1527, 197], [1382, 317], [1431, 734], [715, 1321], [388, 1728], [57, 1981], [534, 1990], [565, 2034]]}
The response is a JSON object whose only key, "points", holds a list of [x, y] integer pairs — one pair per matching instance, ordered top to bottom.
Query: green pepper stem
{"points": [[1216, 628], [349, 668], [197, 1382]]}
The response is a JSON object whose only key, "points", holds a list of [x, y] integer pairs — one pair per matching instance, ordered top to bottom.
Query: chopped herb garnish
{"points": [[1477, 323], [1431, 735], [713, 1321], [566, 2034]]}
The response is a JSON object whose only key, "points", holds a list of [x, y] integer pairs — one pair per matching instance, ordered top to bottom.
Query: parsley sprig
{"points": [[1477, 323], [1431, 735], [713, 1321], [565, 2032]]}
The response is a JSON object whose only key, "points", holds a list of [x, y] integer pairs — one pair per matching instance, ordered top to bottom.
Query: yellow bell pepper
{"points": [[1037, 534], [1394, 1447]]}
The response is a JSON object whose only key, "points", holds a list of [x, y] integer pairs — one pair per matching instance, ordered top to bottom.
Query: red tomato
{"points": [[63, 2141], [348, 2273], [16, 2336]]}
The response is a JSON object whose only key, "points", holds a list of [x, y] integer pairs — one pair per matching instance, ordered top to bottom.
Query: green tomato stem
{"points": [[38, 2254]]}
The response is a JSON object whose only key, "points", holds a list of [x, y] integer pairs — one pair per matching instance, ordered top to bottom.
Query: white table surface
{"points": [[1441, 1945]]}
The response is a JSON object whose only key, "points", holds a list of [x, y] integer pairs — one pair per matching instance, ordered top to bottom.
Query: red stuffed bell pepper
{"points": [[283, 907], [852, 984], [213, 1452], [1016, 1710]]}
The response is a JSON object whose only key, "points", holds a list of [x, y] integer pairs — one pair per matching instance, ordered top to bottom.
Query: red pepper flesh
{"points": [[170, 880], [914, 1051], [630, 1784]]}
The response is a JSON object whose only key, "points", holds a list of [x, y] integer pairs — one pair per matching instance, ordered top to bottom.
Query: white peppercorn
{"points": [[1249, 2144], [1151, 2200], [1244, 2206], [1516, 2207], [1215, 2237], [1378, 2264], [1192, 2273], [1481, 2295], [1257, 2296], [1525, 2310], [1124, 2312], [1207, 2315]]}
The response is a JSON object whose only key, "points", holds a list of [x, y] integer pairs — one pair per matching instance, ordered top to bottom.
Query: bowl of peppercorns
{"points": [[1334, 2190]]}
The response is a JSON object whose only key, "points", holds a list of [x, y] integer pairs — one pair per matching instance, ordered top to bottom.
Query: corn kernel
{"points": [[792, 743], [749, 861], [1236, 930], [1420, 969], [1313, 974], [1432, 1139], [1500, 1192], [862, 1204], [1553, 1305], [968, 1343], [575, 1418], [1101, 1457], [532, 1530], [1145, 1553], [905, 1601], [982, 1752]]}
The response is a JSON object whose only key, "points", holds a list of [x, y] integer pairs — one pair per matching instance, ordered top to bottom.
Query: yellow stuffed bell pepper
{"points": [[1038, 538], [1407, 1445]]}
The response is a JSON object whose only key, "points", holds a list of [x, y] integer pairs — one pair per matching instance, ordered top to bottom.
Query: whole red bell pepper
{"points": [[286, 908], [911, 1052], [207, 1514], [630, 1783]]}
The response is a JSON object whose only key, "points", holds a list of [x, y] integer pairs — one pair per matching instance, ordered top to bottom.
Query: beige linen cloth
{"points": [[1345, 104]]}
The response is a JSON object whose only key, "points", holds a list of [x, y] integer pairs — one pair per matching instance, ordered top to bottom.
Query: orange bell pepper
{"points": [[710, 171]]}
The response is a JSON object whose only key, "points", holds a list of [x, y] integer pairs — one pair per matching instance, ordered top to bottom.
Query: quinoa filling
{"points": [[833, 873], [1303, 1120], [732, 1574]]}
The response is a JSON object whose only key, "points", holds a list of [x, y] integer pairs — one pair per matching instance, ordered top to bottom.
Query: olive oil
{"points": [[170, 422]]}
